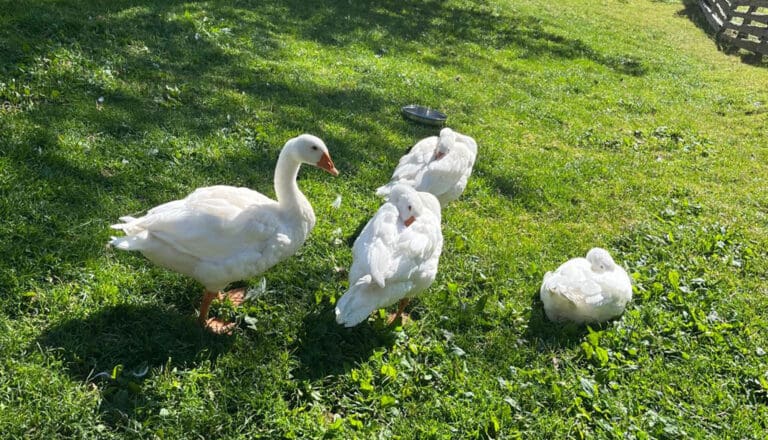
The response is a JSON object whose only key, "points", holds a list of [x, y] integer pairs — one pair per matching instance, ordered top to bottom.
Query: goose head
{"points": [[444, 143], [312, 150], [409, 203], [600, 260]]}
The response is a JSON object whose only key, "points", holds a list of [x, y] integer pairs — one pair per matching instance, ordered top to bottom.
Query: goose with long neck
{"points": [[289, 196], [221, 234]]}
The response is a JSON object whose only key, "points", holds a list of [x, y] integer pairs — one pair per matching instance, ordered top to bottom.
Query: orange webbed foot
{"points": [[235, 296], [400, 312], [393, 317], [219, 327]]}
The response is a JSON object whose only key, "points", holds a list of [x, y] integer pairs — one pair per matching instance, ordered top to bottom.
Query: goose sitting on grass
{"points": [[439, 165], [221, 234], [395, 257], [582, 290]]}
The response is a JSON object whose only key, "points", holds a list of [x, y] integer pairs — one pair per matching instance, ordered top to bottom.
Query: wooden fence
{"points": [[741, 23]]}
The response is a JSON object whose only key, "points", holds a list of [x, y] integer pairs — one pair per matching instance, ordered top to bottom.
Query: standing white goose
{"points": [[440, 165], [221, 234], [395, 257], [582, 290]]}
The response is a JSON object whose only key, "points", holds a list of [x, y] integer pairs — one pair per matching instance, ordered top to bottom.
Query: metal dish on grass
{"points": [[424, 115]]}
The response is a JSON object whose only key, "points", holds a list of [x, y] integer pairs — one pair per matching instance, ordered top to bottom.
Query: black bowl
{"points": [[424, 115]]}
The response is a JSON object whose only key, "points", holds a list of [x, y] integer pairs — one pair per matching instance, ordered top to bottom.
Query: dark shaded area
{"points": [[692, 11], [406, 25], [176, 80], [513, 186], [350, 241], [548, 335], [132, 336], [118, 346], [325, 348]]}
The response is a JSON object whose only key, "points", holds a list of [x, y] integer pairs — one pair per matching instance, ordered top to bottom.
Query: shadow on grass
{"points": [[693, 12], [409, 26], [171, 79], [515, 187], [64, 192], [548, 335], [134, 337], [118, 346], [325, 348]]}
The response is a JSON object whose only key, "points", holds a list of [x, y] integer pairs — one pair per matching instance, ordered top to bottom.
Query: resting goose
{"points": [[440, 165], [221, 234], [395, 257], [582, 290]]}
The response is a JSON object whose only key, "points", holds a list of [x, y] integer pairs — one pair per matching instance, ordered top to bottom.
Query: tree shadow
{"points": [[409, 26], [158, 71], [169, 83], [81, 185], [323, 347]]}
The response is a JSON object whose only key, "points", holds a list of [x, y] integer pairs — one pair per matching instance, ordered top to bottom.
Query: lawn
{"points": [[616, 124]]}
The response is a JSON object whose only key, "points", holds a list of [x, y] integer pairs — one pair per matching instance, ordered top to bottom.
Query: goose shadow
{"points": [[515, 186], [350, 241], [548, 335], [134, 337], [118, 347], [324, 348]]}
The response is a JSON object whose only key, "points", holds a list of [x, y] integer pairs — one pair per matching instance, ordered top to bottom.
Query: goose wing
{"points": [[411, 165], [442, 175], [210, 223], [373, 250]]}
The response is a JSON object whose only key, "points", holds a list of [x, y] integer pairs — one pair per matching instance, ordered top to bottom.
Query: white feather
{"points": [[446, 177], [221, 234], [392, 261], [577, 292]]}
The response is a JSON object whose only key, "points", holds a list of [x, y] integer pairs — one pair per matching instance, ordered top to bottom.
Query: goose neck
{"points": [[286, 188]]}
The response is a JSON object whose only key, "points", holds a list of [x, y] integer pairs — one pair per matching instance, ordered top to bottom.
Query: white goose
{"points": [[440, 165], [221, 234], [395, 257], [582, 290]]}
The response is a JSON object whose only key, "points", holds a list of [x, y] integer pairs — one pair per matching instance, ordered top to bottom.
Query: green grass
{"points": [[617, 124]]}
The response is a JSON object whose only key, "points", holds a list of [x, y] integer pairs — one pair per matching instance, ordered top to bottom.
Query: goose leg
{"points": [[235, 296], [206, 305], [400, 309], [213, 324], [219, 327]]}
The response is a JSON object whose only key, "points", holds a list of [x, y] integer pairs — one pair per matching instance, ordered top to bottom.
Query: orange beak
{"points": [[439, 155], [326, 164], [409, 221]]}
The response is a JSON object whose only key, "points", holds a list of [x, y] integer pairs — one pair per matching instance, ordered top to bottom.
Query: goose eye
{"points": [[314, 147]]}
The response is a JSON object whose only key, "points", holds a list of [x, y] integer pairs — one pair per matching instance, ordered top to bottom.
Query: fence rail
{"points": [[741, 23]]}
